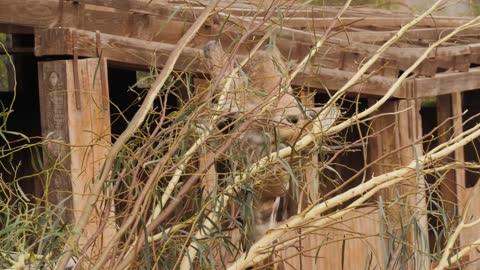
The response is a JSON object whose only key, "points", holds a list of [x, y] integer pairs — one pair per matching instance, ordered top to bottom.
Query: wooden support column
{"points": [[75, 119], [397, 129], [209, 180], [448, 185], [311, 186], [466, 194]]}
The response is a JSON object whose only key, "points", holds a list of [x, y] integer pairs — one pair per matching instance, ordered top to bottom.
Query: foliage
{"points": [[181, 138]]}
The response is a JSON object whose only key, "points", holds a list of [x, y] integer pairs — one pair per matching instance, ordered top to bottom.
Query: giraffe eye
{"points": [[311, 114], [292, 119], [226, 125]]}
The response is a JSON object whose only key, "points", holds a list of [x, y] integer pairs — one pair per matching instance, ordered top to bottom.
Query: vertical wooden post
{"points": [[75, 119], [399, 128], [210, 179], [311, 185], [448, 185]]}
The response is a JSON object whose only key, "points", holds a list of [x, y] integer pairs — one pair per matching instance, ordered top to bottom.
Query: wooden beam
{"points": [[238, 8], [30, 13], [369, 22], [164, 24], [15, 29], [141, 53], [446, 83], [76, 118], [54, 121], [398, 128], [448, 185], [357, 231]]}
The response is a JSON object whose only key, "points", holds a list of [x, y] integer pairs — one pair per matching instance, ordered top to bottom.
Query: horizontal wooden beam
{"points": [[233, 7], [161, 22], [15, 29], [65, 41], [148, 53], [447, 83]]}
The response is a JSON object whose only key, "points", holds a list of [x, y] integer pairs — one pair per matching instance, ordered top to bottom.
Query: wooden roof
{"points": [[143, 33]]}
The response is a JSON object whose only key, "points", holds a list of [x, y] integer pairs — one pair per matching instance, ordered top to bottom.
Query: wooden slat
{"points": [[29, 13], [370, 22], [169, 26], [16, 29], [143, 53], [447, 83], [79, 119], [54, 121], [398, 129], [459, 154], [448, 185], [465, 194], [353, 242]]}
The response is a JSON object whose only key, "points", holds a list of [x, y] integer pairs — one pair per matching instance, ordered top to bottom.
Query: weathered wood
{"points": [[369, 22], [162, 23], [11, 28], [147, 53], [447, 83], [75, 116], [54, 121], [399, 127], [206, 158], [448, 185], [465, 194], [339, 244]]}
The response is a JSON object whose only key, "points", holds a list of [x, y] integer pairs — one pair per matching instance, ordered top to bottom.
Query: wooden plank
{"points": [[238, 8], [30, 13], [67, 14], [369, 22], [169, 27], [12, 28], [415, 35], [121, 49], [147, 53], [403, 56], [447, 83], [76, 115], [54, 122], [398, 127], [459, 154], [209, 180], [448, 185], [311, 187], [465, 194], [356, 236]]}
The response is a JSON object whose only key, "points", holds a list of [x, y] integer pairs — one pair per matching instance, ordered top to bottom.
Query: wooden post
{"points": [[75, 119], [399, 128], [209, 181], [448, 185], [310, 189], [465, 194]]}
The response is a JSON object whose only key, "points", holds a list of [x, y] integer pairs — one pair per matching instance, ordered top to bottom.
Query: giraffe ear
{"points": [[216, 58], [266, 71]]}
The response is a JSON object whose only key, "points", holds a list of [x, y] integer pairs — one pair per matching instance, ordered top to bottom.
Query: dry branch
{"points": [[125, 136], [258, 251]]}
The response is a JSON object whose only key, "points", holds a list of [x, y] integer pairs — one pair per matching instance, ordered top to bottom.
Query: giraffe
{"points": [[277, 119]]}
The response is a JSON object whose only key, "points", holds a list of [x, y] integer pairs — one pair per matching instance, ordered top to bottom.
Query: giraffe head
{"points": [[258, 93]]}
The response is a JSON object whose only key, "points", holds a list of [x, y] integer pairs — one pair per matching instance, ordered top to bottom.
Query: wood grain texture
{"points": [[147, 53], [53, 82], [78, 118], [399, 127], [448, 185], [353, 241]]}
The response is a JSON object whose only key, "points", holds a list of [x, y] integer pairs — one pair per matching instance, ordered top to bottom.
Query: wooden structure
{"points": [[141, 33]]}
